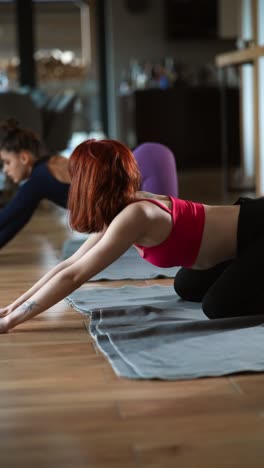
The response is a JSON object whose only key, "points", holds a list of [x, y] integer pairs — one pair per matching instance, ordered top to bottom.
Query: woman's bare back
{"points": [[58, 167]]}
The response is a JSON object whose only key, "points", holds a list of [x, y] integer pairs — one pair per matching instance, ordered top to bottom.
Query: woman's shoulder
{"points": [[133, 210]]}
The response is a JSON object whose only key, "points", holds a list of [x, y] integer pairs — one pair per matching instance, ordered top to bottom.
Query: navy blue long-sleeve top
{"points": [[40, 185]]}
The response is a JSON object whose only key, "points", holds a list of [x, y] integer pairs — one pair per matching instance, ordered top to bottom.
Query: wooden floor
{"points": [[62, 406]]}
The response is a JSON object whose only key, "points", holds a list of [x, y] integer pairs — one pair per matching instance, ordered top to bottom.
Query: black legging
{"points": [[236, 287]]}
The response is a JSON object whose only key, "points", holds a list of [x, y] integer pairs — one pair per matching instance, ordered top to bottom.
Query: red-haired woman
{"points": [[219, 247]]}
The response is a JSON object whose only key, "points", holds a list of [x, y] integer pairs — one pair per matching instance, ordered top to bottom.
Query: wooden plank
{"points": [[239, 57]]}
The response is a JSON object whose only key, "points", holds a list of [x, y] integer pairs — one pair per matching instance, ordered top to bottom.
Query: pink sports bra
{"points": [[182, 246]]}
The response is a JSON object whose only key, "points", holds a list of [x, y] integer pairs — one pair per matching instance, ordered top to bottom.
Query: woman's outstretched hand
{"points": [[3, 325]]}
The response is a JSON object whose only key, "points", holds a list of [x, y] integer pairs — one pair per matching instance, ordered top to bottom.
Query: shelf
{"points": [[239, 57]]}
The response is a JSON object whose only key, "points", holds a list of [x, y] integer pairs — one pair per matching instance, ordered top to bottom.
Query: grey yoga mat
{"points": [[129, 266], [150, 333]]}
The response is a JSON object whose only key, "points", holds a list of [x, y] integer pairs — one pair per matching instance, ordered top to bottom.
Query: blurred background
{"points": [[139, 71]]}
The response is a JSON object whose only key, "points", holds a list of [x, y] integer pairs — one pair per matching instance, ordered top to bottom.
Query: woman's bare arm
{"points": [[127, 227], [85, 247]]}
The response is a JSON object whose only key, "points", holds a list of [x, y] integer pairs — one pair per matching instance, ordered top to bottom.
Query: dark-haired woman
{"points": [[38, 177]]}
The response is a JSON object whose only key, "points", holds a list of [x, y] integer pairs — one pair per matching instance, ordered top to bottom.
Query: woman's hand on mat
{"points": [[3, 325]]}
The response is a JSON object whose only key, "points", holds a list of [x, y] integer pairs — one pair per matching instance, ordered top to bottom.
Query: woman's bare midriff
{"points": [[219, 241]]}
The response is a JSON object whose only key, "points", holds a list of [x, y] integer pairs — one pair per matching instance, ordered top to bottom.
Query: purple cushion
{"points": [[158, 169]]}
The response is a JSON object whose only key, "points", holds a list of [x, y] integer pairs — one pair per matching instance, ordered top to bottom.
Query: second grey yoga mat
{"points": [[129, 266], [150, 333]]}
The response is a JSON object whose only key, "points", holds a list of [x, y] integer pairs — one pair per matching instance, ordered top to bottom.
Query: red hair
{"points": [[104, 179]]}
